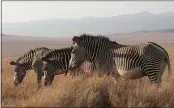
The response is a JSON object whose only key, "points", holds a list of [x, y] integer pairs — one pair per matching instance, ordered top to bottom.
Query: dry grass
{"points": [[88, 92]]}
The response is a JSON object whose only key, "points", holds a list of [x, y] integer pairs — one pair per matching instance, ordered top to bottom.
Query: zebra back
{"points": [[59, 58], [27, 59]]}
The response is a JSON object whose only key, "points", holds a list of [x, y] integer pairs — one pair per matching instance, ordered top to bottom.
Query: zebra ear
{"points": [[75, 39], [13, 63]]}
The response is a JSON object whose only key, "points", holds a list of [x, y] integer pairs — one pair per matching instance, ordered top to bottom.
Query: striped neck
{"points": [[115, 45], [27, 66]]}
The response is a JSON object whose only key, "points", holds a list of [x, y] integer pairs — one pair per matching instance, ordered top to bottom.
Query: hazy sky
{"points": [[21, 11]]}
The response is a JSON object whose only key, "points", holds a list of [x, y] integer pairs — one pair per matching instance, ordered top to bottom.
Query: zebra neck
{"points": [[117, 45], [27, 66]]}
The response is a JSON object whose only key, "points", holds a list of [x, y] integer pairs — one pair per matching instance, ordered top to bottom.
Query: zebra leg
{"points": [[38, 67], [49, 73], [66, 73], [153, 73], [114, 74], [39, 76], [154, 76], [39, 79], [49, 79]]}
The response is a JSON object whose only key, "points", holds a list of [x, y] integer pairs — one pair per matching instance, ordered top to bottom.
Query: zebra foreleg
{"points": [[38, 67], [49, 73], [39, 77], [49, 79], [39, 80]]}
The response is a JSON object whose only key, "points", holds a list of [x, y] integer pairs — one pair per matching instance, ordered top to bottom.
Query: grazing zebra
{"points": [[58, 59], [30, 60], [33, 60], [128, 61]]}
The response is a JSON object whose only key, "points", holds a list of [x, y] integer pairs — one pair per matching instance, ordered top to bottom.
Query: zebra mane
{"points": [[92, 37], [57, 51], [30, 53]]}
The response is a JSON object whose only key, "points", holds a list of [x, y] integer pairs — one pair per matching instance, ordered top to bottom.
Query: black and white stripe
{"points": [[147, 59], [30, 60], [57, 63]]}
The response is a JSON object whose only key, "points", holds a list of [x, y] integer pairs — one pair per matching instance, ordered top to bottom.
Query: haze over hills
{"points": [[143, 21], [17, 45]]}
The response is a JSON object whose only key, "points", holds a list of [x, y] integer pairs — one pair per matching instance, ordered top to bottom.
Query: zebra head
{"points": [[88, 48], [78, 53], [20, 73]]}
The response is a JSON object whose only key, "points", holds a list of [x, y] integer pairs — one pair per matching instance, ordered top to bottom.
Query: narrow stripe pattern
{"points": [[129, 61]]}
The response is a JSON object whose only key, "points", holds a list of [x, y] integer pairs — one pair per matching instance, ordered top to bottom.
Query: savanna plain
{"points": [[91, 91]]}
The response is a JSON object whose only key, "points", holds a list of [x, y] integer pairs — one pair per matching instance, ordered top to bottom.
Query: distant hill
{"points": [[143, 21], [144, 31], [3, 34], [17, 45]]}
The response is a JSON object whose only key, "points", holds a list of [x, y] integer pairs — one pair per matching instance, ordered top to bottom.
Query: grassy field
{"points": [[87, 92]]}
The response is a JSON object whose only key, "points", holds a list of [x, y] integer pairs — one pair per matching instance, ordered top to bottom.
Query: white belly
{"points": [[131, 74]]}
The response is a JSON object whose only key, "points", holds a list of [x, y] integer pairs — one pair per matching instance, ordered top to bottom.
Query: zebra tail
{"points": [[169, 65]]}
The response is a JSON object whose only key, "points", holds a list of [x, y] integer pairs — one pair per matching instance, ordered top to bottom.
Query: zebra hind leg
{"points": [[154, 76]]}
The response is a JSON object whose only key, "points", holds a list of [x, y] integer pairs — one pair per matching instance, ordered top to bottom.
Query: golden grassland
{"points": [[87, 92]]}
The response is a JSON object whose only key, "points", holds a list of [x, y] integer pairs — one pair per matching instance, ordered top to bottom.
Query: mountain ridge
{"points": [[143, 21]]}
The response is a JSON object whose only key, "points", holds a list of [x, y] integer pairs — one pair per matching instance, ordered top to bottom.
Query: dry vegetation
{"points": [[88, 92]]}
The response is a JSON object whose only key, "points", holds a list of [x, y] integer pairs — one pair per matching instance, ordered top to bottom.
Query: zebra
{"points": [[58, 59], [30, 60], [128, 61]]}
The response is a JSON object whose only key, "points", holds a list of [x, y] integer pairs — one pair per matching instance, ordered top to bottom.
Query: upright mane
{"points": [[92, 37], [56, 51], [30, 53]]}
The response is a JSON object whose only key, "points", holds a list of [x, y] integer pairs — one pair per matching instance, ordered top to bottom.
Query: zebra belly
{"points": [[131, 74]]}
